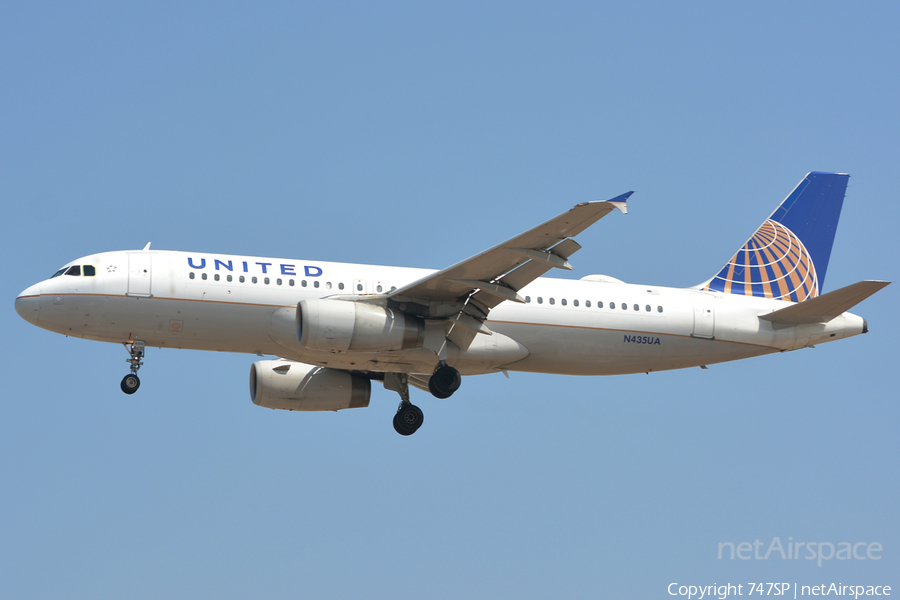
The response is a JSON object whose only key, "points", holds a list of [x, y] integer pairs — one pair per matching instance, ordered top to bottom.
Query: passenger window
{"points": [[74, 270], [89, 271], [191, 274], [203, 276], [216, 276], [229, 278], [242, 279], [253, 279], [266, 280], [278, 281], [291, 282], [303, 283], [315, 284], [328, 285], [340, 286], [358, 287], [393, 287], [379, 289], [527, 299], [540, 300], [552, 301], [563, 302], [575, 302], [587, 303], [600, 304], [611, 304], [624, 306], [637, 307], [648, 308], [659, 309]]}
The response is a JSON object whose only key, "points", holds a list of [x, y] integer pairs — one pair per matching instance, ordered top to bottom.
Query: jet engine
{"points": [[342, 326], [297, 386]]}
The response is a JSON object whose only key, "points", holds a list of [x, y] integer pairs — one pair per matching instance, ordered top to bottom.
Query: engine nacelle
{"points": [[342, 326], [291, 385]]}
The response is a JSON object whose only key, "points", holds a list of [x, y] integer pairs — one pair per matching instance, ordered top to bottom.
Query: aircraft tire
{"points": [[444, 382], [130, 383], [434, 391], [408, 419]]}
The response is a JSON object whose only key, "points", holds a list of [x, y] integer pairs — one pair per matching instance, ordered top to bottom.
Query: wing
{"points": [[476, 285]]}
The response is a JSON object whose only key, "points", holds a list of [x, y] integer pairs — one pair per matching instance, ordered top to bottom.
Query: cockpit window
{"points": [[77, 270]]}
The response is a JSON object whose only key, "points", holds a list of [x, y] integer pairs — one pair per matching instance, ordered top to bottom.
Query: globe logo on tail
{"points": [[773, 264]]}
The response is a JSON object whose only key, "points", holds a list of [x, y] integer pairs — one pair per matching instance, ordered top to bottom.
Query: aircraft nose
{"points": [[28, 303]]}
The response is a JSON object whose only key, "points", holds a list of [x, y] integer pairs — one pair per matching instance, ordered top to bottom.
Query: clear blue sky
{"points": [[418, 134]]}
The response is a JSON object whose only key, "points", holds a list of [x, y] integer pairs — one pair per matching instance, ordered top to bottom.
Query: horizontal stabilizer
{"points": [[826, 307]]}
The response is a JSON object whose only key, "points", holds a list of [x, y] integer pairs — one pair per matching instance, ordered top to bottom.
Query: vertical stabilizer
{"points": [[788, 255]]}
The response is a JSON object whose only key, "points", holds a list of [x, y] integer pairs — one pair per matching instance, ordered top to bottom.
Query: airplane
{"points": [[335, 328]]}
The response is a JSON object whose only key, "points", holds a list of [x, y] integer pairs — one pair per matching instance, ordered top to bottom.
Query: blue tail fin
{"points": [[788, 255]]}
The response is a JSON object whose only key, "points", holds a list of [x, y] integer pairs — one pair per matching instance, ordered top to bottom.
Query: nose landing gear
{"points": [[131, 382]]}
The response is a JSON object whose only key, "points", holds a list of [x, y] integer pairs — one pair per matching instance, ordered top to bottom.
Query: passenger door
{"points": [[139, 274], [704, 317]]}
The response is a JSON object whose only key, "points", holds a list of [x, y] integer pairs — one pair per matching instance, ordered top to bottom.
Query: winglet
{"points": [[620, 202], [622, 206]]}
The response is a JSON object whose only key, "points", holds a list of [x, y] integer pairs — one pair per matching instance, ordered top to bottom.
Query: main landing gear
{"points": [[444, 381], [131, 382], [409, 417]]}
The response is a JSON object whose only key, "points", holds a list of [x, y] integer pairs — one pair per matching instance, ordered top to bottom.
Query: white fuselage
{"points": [[246, 304]]}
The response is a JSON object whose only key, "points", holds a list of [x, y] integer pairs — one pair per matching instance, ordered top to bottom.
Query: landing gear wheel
{"points": [[444, 382], [130, 383], [435, 392], [408, 419]]}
